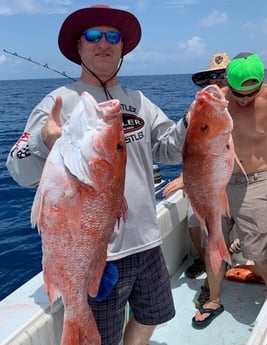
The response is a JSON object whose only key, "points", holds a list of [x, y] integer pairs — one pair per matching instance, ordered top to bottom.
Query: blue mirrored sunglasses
{"points": [[94, 36], [215, 75]]}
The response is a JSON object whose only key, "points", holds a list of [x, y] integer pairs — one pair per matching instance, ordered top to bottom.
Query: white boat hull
{"points": [[25, 315]]}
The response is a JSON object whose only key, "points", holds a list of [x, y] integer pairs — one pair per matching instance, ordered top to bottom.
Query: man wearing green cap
{"points": [[247, 96]]}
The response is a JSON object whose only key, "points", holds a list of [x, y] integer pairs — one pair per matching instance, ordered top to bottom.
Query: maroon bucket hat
{"points": [[98, 15]]}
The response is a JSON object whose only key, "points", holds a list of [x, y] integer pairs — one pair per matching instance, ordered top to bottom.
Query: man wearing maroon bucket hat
{"points": [[97, 38]]}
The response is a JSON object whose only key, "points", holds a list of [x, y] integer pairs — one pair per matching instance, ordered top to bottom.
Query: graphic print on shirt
{"points": [[132, 124], [132, 127], [21, 148]]}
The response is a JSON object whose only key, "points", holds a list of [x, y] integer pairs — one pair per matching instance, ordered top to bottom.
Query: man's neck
{"points": [[89, 78]]}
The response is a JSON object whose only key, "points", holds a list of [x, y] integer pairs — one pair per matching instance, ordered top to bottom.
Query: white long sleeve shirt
{"points": [[150, 136]]}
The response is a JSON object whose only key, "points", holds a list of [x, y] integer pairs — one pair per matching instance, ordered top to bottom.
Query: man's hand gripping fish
{"points": [[208, 161], [76, 206]]}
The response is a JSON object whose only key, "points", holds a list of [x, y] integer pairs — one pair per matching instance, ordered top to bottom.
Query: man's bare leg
{"points": [[195, 234], [215, 284], [137, 334]]}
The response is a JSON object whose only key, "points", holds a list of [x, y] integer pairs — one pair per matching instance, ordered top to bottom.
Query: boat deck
{"points": [[242, 303]]}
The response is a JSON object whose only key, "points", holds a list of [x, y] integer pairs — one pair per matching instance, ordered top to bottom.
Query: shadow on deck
{"points": [[242, 303]]}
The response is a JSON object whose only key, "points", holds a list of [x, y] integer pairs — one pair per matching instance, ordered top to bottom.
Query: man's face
{"points": [[99, 55], [243, 98]]}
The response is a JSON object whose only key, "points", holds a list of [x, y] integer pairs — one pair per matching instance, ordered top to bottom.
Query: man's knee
{"points": [[137, 334]]}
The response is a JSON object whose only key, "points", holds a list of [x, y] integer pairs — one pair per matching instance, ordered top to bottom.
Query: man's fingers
{"points": [[55, 112]]}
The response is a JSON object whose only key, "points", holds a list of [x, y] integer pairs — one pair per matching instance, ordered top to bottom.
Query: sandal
{"points": [[195, 270], [203, 296], [204, 323]]}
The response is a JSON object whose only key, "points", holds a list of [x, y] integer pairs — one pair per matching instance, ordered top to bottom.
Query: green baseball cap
{"points": [[244, 67]]}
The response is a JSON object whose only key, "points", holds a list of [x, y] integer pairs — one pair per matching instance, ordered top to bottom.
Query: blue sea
{"points": [[20, 245]]}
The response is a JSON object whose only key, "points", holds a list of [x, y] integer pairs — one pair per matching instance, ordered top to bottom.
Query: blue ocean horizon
{"points": [[20, 244]]}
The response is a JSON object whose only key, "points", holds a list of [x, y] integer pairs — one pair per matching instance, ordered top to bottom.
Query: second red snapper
{"points": [[208, 161], [76, 206]]}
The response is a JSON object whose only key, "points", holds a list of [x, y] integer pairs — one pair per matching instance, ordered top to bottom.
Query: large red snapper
{"points": [[208, 161], [77, 203]]}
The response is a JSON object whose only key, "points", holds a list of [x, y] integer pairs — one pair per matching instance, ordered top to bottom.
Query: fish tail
{"points": [[218, 253], [80, 331]]}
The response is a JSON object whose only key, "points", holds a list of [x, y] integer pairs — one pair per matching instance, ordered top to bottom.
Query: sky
{"points": [[178, 36]]}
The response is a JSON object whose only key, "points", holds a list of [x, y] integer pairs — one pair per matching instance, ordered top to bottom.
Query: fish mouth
{"points": [[213, 90], [215, 94], [109, 110], [80, 148]]}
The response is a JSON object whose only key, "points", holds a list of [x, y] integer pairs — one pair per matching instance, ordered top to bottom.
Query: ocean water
{"points": [[20, 245]]}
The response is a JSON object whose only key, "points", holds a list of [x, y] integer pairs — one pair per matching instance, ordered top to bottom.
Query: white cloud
{"points": [[180, 3], [143, 5], [12, 7], [214, 18], [249, 26], [256, 29], [193, 46], [147, 56], [2, 58], [152, 59], [149, 61]]}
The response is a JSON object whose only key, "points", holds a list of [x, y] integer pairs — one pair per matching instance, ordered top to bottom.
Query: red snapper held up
{"points": [[208, 161], [76, 206]]}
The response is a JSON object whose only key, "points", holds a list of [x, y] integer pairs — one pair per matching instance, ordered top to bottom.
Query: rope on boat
{"points": [[38, 63]]}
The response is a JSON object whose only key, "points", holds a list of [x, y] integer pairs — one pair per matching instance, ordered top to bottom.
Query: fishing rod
{"points": [[38, 63]]}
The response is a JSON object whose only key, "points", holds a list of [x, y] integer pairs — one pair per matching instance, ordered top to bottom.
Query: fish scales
{"points": [[208, 161], [76, 206]]}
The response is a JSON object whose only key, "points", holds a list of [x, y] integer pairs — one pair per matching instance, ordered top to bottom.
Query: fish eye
{"points": [[204, 128], [120, 146]]}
